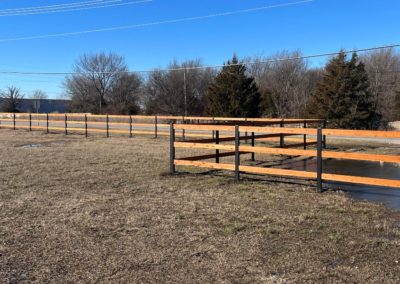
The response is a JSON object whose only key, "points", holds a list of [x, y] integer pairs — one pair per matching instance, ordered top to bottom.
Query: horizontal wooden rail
{"points": [[204, 127], [283, 130], [361, 133], [204, 146], [211, 156], [216, 166], [361, 180]]}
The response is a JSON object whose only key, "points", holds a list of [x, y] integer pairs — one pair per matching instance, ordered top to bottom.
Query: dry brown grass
{"points": [[98, 210]]}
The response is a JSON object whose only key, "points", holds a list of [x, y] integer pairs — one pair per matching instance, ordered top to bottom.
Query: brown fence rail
{"points": [[132, 125], [320, 153]]}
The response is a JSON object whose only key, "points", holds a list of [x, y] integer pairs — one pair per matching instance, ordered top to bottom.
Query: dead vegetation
{"points": [[99, 210]]}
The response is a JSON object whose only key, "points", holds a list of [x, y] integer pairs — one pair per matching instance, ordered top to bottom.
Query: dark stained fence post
{"points": [[14, 121], [30, 121], [47, 123], [66, 124], [86, 126], [107, 126], [130, 126], [156, 127], [183, 130], [245, 134], [305, 135], [282, 137], [324, 137], [217, 142], [253, 143], [172, 148], [237, 153], [319, 159]]}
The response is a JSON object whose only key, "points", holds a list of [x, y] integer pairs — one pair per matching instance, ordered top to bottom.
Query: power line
{"points": [[91, 2], [57, 6], [49, 11], [188, 19], [210, 66]]}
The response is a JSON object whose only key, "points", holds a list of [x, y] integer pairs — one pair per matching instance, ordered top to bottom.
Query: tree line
{"points": [[350, 91]]}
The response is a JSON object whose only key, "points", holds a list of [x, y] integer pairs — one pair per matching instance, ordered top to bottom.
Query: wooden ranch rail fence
{"points": [[129, 125], [237, 150]]}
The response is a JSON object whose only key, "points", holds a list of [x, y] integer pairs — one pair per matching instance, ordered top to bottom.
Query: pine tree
{"points": [[233, 94], [342, 96], [397, 105]]}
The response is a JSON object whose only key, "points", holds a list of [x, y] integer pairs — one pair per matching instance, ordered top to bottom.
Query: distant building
{"points": [[42, 106]]}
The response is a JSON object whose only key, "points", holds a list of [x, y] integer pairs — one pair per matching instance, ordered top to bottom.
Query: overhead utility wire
{"points": [[58, 6], [75, 9], [188, 19], [209, 66]]}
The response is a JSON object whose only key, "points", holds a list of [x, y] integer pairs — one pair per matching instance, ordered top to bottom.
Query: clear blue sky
{"points": [[316, 27]]}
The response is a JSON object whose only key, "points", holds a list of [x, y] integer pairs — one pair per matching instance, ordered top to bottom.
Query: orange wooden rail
{"points": [[237, 150]]}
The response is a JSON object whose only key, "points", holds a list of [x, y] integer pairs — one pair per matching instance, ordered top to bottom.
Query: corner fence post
{"points": [[30, 121], [47, 123], [66, 124], [86, 126], [107, 126], [130, 126], [14, 127], [156, 127], [305, 135], [282, 137], [217, 142], [253, 143], [172, 148], [237, 154], [319, 159]]}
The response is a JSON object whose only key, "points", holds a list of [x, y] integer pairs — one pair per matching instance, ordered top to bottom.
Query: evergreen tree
{"points": [[233, 94], [342, 96], [397, 105]]}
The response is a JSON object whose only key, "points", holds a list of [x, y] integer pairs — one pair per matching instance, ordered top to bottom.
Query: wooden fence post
{"points": [[14, 121], [30, 121], [47, 123], [66, 124], [86, 126], [107, 126], [130, 126], [156, 127], [183, 130], [245, 134], [305, 135], [282, 136], [324, 137], [217, 142], [253, 143], [172, 148], [237, 153], [319, 159]]}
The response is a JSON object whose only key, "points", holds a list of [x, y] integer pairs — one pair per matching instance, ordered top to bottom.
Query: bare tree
{"points": [[383, 67], [95, 75], [286, 84], [179, 91], [125, 96], [37, 97], [11, 99]]}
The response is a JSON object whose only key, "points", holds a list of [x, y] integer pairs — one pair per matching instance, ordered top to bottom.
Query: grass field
{"points": [[101, 210]]}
